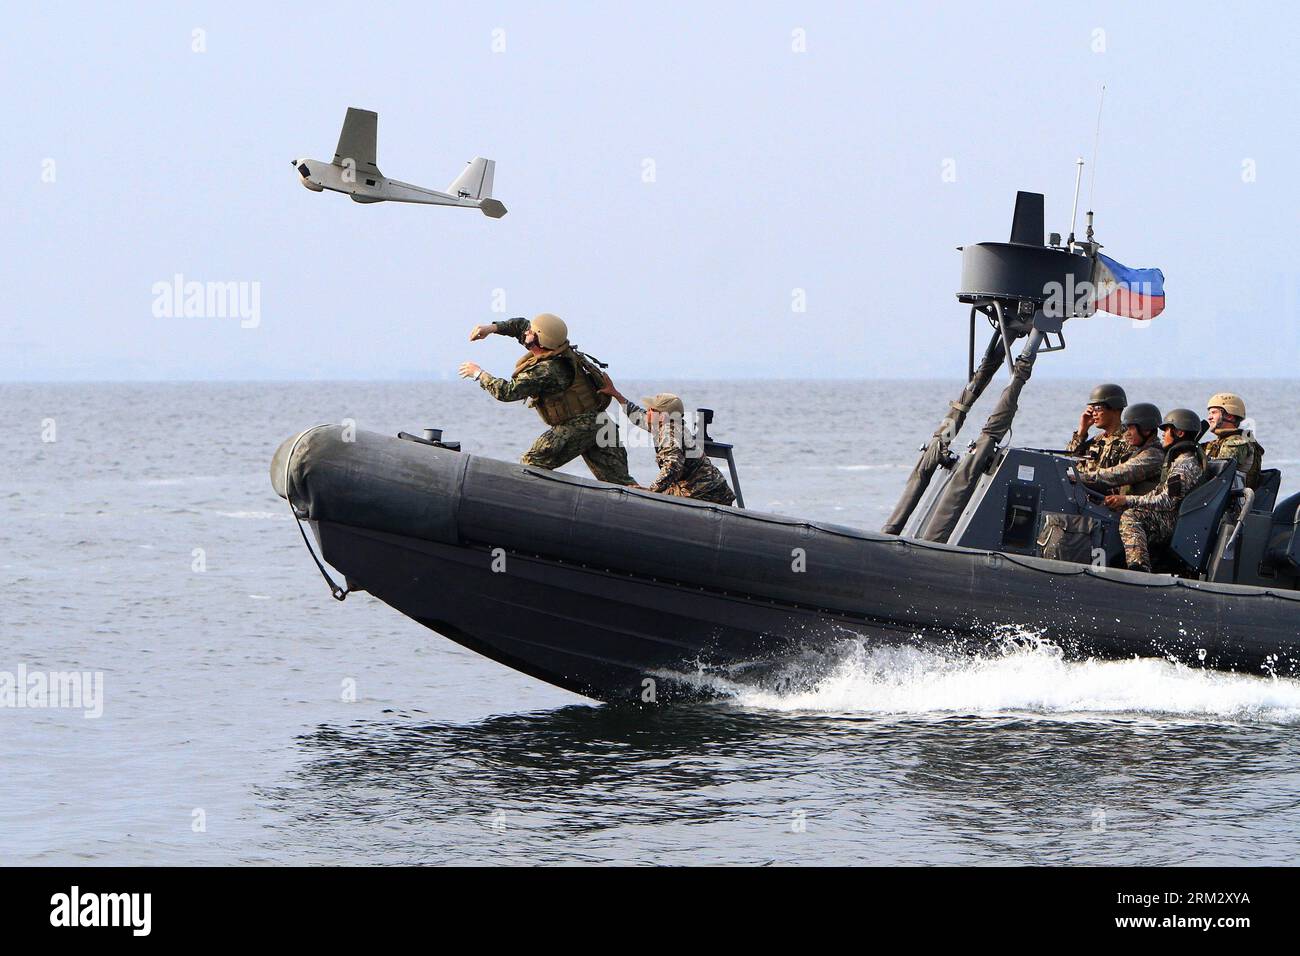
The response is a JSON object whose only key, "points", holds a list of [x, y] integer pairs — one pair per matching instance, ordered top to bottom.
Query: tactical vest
{"points": [[578, 399], [1214, 449], [1104, 450], [1110, 450], [1174, 452]]}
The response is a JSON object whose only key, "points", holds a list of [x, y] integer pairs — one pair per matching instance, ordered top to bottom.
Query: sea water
{"points": [[246, 717]]}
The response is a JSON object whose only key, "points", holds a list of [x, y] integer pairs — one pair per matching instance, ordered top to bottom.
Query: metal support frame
{"points": [[719, 449]]}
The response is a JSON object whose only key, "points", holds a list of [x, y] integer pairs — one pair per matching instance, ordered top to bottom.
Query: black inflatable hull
{"points": [[628, 596]]}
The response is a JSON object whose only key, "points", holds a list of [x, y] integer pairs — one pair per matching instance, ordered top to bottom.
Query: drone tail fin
{"points": [[475, 182]]}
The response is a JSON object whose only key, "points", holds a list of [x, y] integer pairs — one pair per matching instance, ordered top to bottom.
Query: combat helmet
{"points": [[551, 331], [1110, 395], [1232, 404], [1142, 414], [1184, 419]]}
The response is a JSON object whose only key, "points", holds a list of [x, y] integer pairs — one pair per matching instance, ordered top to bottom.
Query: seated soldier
{"points": [[1102, 411], [1225, 412], [1139, 471], [680, 473], [1149, 519], [1066, 537]]}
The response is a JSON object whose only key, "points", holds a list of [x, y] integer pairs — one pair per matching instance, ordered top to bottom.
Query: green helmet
{"points": [[1112, 396], [1144, 415], [1184, 419]]}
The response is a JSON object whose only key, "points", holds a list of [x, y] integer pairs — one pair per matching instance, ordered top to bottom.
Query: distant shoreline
{"points": [[668, 379]]}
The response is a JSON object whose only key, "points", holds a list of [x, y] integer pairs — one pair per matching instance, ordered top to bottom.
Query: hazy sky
{"points": [[774, 170]]}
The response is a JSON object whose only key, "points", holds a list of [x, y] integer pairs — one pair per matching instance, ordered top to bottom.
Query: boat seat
{"points": [[1270, 480], [1199, 517], [1284, 542]]}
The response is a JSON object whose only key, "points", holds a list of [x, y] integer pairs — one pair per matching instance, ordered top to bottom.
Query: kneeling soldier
{"points": [[680, 474], [1149, 519]]}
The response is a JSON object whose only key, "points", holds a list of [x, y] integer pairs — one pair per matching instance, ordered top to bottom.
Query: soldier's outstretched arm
{"points": [[515, 328], [531, 383], [635, 414], [1141, 467]]}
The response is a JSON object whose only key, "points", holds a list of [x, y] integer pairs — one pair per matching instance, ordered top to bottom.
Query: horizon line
{"points": [[633, 378]]}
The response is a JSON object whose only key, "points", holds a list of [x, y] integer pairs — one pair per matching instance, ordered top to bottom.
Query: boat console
{"points": [[1026, 500]]}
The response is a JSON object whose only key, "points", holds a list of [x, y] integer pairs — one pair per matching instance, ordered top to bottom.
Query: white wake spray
{"points": [[1030, 677]]}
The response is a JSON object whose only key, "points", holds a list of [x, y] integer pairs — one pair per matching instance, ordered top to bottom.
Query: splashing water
{"points": [[1031, 677]]}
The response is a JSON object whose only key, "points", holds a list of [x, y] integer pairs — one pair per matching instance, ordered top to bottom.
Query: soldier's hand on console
{"points": [[481, 332], [469, 370], [1116, 502]]}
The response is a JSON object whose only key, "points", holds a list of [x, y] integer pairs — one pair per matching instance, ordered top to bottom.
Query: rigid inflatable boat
{"points": [[629, 596]]}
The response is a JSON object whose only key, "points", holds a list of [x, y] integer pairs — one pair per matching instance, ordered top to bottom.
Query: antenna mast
{"points": [[1096, 147]]}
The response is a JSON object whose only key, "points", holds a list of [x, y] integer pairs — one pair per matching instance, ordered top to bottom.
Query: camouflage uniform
{"points": [[593, 435], [1233, 443], [1104, 451], [1109, 464], [680, 474], [1135, 474], [1149, 519]]}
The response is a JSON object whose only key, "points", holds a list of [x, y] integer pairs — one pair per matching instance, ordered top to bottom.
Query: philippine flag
{"points": [[1132, 293]]}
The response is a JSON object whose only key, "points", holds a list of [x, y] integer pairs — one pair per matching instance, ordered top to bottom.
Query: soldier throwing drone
{"points": [[561, 384], [571, 393]]}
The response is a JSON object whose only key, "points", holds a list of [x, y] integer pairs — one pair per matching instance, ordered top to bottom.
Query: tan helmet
{"points": [[551, 331], [665, 402], [1232, 404]]}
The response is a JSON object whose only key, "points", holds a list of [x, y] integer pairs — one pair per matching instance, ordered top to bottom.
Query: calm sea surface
{"points": [[144, 543]]}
